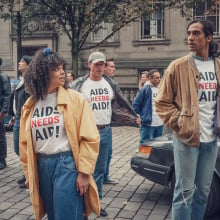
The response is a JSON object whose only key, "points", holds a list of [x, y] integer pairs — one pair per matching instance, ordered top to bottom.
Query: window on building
{"points": [[206, 11], [153, 27], [103, 33]]}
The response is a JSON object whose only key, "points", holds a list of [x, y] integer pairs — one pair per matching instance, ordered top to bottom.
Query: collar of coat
{"points": [[61, 100]]}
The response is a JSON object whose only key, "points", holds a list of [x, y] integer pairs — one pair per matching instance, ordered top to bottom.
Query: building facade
{"points": [[142, 45]]}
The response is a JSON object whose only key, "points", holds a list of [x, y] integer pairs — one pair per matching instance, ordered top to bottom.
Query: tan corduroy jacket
{"points": [[177, 99], [84, 140]]}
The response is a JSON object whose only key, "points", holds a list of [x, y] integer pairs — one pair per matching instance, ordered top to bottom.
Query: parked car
{"points": [[156, 163]]}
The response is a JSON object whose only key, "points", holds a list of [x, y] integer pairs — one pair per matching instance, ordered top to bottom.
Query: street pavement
{"points": [[133, 197]]}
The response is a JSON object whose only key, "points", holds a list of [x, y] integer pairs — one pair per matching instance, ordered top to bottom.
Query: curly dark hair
{"points": [[37, 77]]}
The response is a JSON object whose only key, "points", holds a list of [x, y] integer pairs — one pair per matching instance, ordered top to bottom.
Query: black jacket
{"points": [[5, 92], [20, 96], [122, 112]]}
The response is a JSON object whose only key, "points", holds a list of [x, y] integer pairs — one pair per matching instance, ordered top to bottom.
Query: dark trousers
{"points": [[3, 143]]}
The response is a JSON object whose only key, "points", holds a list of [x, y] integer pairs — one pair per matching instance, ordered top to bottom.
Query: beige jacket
{"points": [[177, 99], [84, 140]]}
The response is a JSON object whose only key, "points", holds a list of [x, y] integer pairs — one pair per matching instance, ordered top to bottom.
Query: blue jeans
{"points": [[16, 128], [149, 132], [3, 143], [101, 163], [194, 171], [106, 176], [57, 186]]}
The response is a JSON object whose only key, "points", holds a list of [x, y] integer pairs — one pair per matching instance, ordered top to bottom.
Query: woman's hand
{"points": [[12, 121], [27, 183], [82, 183]]}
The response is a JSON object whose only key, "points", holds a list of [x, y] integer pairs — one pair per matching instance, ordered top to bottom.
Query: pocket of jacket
{"points": [[186, 122]]}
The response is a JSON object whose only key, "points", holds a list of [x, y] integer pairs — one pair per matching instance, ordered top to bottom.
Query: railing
{"points": [[129, 93]]}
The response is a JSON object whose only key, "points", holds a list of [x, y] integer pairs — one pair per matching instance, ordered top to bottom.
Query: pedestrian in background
{"points": [[110, 68], [109, 71], [70, 78], [143, 79], [5, 92], [17, 100], [186, 102], [143, 104], [109, 108], [59, 142]]}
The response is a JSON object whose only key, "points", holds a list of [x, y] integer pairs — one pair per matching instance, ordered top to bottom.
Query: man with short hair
{"points": [[110, 68], [109, 71], [70, 78], [5, 92], [186, 102], [143, 104], [109, 108]]}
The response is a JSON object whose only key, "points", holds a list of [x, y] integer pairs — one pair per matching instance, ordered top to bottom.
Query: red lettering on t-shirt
{"points": [[207, 85], [99, 98], [56, 119], [50, 120], [44, 121], [39, 122], [33, 123]]}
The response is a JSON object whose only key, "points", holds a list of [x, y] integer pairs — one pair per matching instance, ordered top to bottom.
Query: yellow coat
{"points": [[84, 140]]}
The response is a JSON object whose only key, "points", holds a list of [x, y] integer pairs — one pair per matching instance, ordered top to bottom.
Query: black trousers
{"points": [[3, 143]]}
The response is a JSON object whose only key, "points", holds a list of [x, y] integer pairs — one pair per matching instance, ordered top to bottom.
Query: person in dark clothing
{"points": [[5, 91], [17, 100]]}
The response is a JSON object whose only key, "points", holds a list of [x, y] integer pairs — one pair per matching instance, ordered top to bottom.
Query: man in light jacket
{"points": [[186, 102]]}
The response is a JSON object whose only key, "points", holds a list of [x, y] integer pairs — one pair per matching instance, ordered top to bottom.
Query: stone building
{"points": [[140, 46]]}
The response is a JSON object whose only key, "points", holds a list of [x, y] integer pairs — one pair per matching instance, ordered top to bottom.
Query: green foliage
{"points": [[79, 18]]}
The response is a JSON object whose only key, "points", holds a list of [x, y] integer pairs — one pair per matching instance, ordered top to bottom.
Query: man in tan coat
{"points": [[186, 102]]}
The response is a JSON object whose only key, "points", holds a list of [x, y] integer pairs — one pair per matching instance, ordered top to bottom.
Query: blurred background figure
{"points": [[110, 68], [109, 71], [70, 78], [143, 79], [5, 91], [17, 100], [143, 104]]}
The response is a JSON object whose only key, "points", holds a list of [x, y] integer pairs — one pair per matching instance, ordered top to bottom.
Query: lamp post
{"points": [[14, 7], [18, 32]]}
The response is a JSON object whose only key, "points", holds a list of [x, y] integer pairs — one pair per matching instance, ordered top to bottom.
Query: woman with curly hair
{"points": [[59, 143]]}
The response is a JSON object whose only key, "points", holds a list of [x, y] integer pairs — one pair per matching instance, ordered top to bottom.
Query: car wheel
{"points": [[213, 204]]}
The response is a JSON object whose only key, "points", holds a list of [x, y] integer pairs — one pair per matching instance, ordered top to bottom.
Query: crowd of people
{"points": [[62, 126]]}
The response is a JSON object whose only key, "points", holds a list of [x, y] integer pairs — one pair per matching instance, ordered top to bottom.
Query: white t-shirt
{"points": [[99, 94], [207, 98], [156, 121], [48, 130]]}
